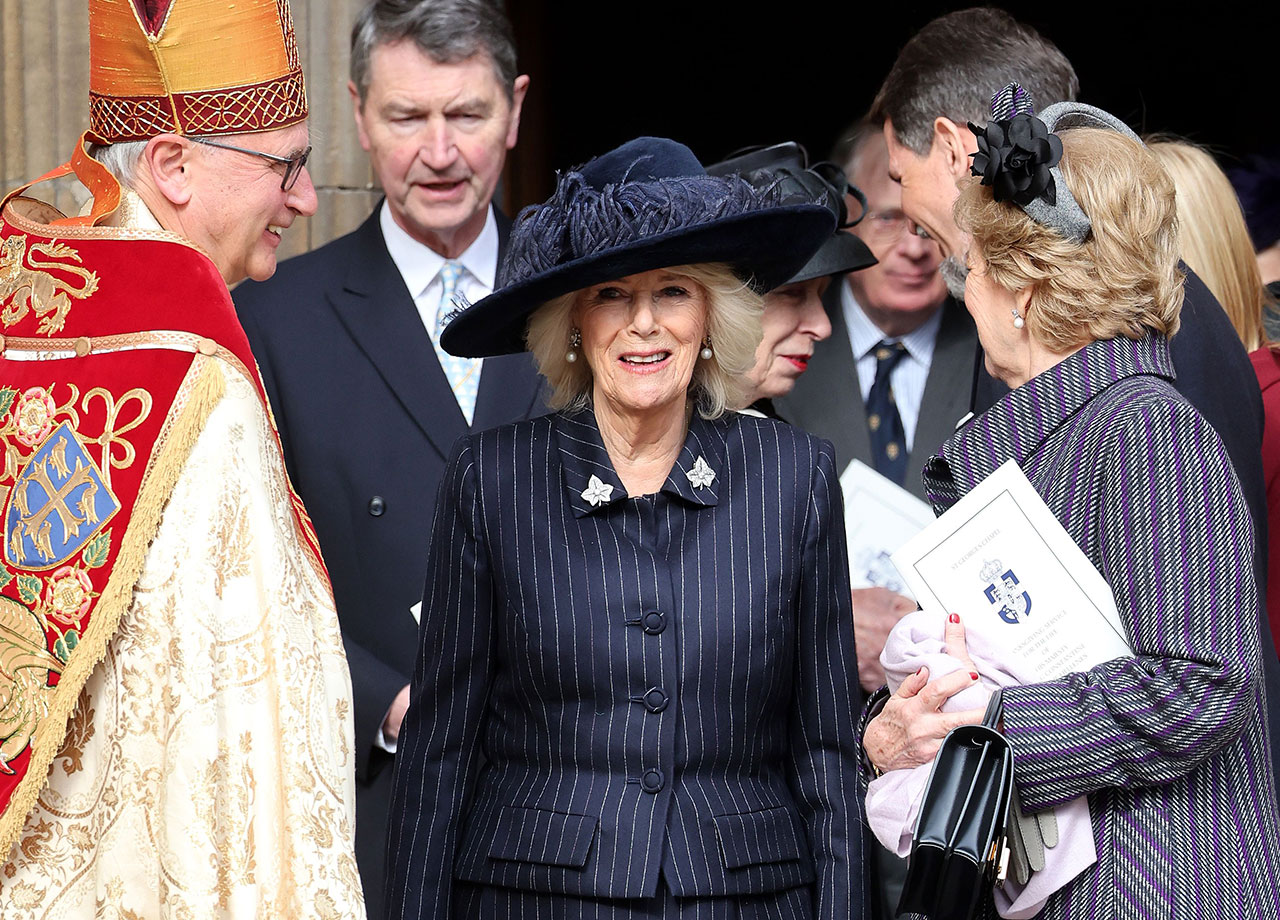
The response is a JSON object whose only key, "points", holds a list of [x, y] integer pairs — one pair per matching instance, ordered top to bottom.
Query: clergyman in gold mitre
{"points": [[192, 67], [173, 84], [175, 705]]}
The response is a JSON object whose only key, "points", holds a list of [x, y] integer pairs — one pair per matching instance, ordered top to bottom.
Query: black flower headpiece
{"points": [[1016, 150], [1018, 156]]}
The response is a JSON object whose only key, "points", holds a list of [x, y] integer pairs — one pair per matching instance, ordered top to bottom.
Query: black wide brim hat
{"points": [[788, 163], [646, 205], [841, 253]]}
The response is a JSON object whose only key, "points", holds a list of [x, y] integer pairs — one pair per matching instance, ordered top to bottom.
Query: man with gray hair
{"points": [[944, 78], [367, 402]]}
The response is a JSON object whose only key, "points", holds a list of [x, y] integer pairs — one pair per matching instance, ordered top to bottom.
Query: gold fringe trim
{"points": [[201, 390]]}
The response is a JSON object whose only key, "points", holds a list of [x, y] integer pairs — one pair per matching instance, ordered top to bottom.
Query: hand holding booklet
{"points": [[1021, 585], [1034, 608]]}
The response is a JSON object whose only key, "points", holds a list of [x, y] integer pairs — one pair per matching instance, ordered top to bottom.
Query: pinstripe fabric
{"points": [[662, 686], [1169, 745], [487, 901]]}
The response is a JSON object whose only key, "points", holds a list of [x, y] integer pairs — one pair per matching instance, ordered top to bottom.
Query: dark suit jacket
{"points": [[1215, 375], [828, 402], [367, 419], [662, 687]]}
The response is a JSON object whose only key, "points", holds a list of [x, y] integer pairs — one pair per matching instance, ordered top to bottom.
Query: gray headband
{"points": [[1011, 163], [1066, 216]]}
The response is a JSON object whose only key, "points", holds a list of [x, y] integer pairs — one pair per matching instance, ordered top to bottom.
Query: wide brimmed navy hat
{"points": [[788, 163], [646, 205]]}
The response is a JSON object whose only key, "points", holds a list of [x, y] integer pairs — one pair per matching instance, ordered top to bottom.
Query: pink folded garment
{"points": [[893, 800]]}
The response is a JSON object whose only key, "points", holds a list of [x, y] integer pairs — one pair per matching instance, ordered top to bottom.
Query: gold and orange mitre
{"points": [[192, 67]]}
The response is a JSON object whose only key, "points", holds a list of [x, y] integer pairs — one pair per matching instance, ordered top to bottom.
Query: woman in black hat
{"points": [[794, 318], [637, 666]]}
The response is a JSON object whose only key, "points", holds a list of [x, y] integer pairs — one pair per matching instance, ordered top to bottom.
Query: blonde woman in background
{"points": [[1215, 239], [1215, 243]]}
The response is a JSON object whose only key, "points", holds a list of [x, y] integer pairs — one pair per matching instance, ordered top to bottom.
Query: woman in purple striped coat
{"points": [[1074, 286]]}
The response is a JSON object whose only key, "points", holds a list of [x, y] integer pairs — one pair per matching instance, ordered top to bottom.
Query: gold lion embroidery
{"points": [[27, 286], [25, 664]]}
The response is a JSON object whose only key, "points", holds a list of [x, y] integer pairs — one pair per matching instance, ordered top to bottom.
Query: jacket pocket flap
{"points": [[757, 837], [550, 838]]}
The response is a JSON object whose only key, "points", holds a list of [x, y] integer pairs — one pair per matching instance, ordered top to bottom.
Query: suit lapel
{"points": [[504, 231], [379, 314], [509, 384], [509, 389], [946, 392]]}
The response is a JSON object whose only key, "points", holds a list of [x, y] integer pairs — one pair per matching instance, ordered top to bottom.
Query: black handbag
{"points": [[958, 849]]}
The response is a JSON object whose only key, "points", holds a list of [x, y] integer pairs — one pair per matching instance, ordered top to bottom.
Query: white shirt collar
{"points": [[419, 264], [864, 334]]}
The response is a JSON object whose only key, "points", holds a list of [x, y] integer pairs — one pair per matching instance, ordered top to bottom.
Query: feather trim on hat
{"points": [[579, 221]]}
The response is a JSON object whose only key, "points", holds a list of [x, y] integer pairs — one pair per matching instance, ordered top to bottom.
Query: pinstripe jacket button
{"points": [[377, 506], [654, 622], [656, 699], [652, 781]]}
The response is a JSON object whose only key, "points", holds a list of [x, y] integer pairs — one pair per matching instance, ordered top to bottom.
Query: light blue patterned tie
{"points": [[463, 373]]}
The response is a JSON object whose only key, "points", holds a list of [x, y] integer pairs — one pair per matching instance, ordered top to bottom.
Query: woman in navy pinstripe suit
{"points": [[1074, 286], [637, 608]]}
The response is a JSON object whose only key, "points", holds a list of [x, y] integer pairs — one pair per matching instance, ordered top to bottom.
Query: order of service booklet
{"points": [[880, 516], [1001, 560]]}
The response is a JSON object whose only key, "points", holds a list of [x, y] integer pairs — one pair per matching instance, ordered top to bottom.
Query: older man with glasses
{"points": [[175, 707]]}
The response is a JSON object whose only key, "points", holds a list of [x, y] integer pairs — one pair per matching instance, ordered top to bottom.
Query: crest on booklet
{"points": [[1004, 591]]}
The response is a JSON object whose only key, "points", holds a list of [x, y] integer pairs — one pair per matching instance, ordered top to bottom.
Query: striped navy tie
{"points": [[888, 439]]}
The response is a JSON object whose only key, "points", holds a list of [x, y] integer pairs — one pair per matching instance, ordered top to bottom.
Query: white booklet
{"points": [[879, 517], [1001, 560]]}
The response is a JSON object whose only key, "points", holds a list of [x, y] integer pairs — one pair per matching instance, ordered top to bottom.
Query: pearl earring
{"points": [[1018, 321], [575, 342], [706, 352]]}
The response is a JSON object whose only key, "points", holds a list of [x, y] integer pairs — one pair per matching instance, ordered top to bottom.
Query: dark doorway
{"points": [[716, 77]]}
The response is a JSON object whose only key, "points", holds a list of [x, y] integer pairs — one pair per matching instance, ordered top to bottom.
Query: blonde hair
{"points": [[1214, 237], [1122, 280], [733, 324]]}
